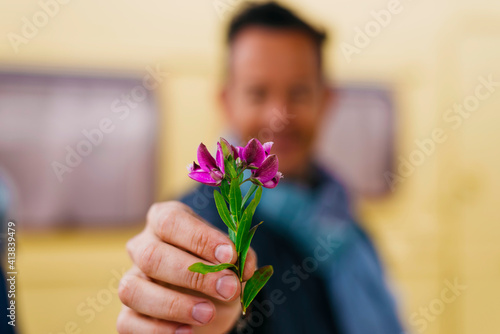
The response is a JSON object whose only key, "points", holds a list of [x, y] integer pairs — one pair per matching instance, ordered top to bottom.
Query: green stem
{"points": [[241, 172], [245, 180], [248, 194], [237, 222], [240, 274]]}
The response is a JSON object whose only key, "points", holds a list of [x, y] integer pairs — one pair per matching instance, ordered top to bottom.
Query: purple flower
{"points": [[254, 153], [254, 156], [210, 171], [267, 174], [274, 181]]}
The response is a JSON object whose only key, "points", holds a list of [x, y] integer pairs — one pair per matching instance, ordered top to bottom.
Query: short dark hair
{"points": [[273, 15]]}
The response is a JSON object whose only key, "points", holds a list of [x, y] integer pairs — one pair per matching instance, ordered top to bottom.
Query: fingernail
{"points": [[224, 253], [226, 286], [203, 312], [184, 329]]}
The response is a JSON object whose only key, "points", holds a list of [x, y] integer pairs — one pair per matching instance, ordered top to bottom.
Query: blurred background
{"points": [[102, 105]]}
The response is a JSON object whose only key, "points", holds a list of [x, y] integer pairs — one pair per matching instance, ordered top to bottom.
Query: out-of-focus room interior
{"points": [[102, 105]]}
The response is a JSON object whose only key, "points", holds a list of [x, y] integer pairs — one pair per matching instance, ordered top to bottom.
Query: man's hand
{"points": [[160, 294]]}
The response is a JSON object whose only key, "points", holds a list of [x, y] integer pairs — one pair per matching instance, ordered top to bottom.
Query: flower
{"points": [[254, 153], [254, 156], [264, 165], [210, 171], [267, 174], [274, 181], [231, 204]]}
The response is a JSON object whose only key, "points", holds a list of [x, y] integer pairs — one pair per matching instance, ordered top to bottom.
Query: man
{"points": [[327, 276]]}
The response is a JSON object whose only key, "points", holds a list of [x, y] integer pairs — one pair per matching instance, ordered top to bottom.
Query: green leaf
{"points": [[235, 166], [229, 167], [224, 188], [249, 193], [257, 197], [235, 199], [223, 211], [246, 221], [243, 227], [245, 245], [203, 268], [255, 284]]}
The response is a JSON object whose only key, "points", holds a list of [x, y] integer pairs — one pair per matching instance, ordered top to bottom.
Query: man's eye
{"points": [[300, 95], [257, 96]]}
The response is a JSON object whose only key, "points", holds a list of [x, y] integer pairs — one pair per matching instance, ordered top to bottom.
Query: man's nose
{"points": [[276, 106], [275, 119]]}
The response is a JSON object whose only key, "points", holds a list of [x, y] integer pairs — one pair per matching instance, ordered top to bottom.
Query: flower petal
{"points": [[267, 147], [239, 151], [235, 152], [253, 153], [205, 159], [220, 159], [193, 167], [268, 169], [216, 175], [204, 177], [273, 182]]}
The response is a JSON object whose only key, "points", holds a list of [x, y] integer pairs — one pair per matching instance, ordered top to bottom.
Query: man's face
{"points": [[275, 93]]}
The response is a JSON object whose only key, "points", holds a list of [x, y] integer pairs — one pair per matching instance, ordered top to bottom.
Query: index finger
{"points": [[176, 224]]}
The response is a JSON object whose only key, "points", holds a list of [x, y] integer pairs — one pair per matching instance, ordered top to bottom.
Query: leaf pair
{"points": [[254, 285]]}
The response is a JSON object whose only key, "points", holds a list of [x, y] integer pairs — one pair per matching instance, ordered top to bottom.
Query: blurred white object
{"points": [[44, 117], [356, 140]]}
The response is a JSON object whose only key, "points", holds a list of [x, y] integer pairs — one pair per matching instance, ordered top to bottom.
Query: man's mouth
{"points": [[287, 143]]}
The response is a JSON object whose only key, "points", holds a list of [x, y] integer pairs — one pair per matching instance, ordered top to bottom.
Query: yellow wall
{"points": [[441, 224]]}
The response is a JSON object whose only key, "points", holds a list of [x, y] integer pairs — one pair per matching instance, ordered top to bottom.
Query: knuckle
{"points": [[177, 205], [153, 211], [163, 211], [167, 222], [200, 241], [130, 246], [149, 259], [196, 280], [127, 290], [172, 307]]}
